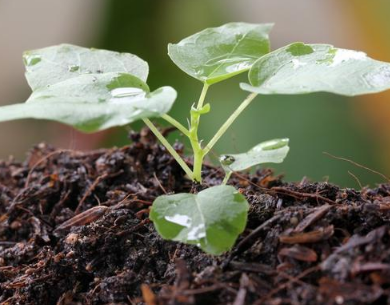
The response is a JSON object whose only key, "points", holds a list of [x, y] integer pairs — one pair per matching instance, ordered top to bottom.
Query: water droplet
{"points": [[342, 55], [31, 60], [220, 60], [297, 63], [238, 66], [73, 68], [199, 71], [379, 77], [126, 92], [272, 144], [227, 160], [181, 220], [197, 232]]}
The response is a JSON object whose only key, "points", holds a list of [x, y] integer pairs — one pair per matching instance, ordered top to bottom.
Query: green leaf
{"points": [[216, 54], [55, 64], [305, 68], [88, 89], [92, 102], [273, 151], [211, 219]]}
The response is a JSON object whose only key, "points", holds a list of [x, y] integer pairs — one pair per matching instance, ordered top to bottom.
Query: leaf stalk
{"points": [[229, 122], [170, 149]]}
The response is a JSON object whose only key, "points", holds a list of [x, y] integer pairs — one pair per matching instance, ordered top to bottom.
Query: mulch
{"points": [[74, 229]]}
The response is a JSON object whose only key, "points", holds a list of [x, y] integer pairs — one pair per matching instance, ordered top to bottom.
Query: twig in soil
{"points": [[48, 156], [358, 165], [356, 179], [159, 183], [93, 186], [89, 191], [299, 195], [58, 206], [312, 217], [83, 218], [134, 228], [308, 237], [7, 243], [240, 246], [299, 253], [252, 267], [183, 276], [295, 280], [284, 285], [206, 289], [241, 294]]}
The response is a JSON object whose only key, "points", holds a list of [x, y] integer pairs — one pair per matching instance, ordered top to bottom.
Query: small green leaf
{"points": [[216, 54], [55, 64], [301, 68], [92, 102], [273, 151], [211, 219]]}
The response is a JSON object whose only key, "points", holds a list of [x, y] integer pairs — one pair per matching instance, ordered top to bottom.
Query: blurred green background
{"points": [[355, 128]]}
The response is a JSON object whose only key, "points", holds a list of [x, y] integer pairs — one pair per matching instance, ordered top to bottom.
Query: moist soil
{"points": [[74, 229]]}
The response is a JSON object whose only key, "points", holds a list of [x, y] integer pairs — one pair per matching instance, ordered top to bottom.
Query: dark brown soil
{"points": [[74, 229]]}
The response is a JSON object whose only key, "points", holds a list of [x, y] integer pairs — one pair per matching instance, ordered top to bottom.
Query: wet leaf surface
{"points": [[216, 54], [56, 64], [304, 68], [106, 89], [273, 151], [211, 219]]}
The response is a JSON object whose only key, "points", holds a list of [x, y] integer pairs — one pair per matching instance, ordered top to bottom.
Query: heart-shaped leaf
{"points": [[216, 54], [55, 64], [304, 68], [88, 89], [92, 102], [273, 151], [211, 219]]}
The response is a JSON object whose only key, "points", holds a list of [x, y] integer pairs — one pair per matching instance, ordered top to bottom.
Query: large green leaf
{"points": [[215, 54], [55, 64], [304, 68], [88, 89], [92, 102], [273, 151], [211, 219]]}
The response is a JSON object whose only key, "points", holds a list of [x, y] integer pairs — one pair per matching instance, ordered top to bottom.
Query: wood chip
{"points": [[308, 237], [300, 253]]}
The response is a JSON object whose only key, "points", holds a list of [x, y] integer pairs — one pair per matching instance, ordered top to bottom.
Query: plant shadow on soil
{"points": [[74, 229]]}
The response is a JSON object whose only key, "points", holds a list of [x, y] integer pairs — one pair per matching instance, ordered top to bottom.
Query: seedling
{"points": [[93, 90]]}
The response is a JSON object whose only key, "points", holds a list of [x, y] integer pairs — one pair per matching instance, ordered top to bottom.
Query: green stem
{"points": [[202, 96], [229, 122], [177, 124], [193, 136], [169, 147], [227, 177]]}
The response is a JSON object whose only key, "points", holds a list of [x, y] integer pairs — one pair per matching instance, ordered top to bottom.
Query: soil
{"points": [[74, 229]]}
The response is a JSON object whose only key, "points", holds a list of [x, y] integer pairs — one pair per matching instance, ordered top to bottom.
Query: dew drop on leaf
{"points": [[31, 60], [73, 68], [378, 78], [126, 92], [227, 160], [181, 220]]}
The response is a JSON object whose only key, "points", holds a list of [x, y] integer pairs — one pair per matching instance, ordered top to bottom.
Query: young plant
{"points": [[94, 90]]}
